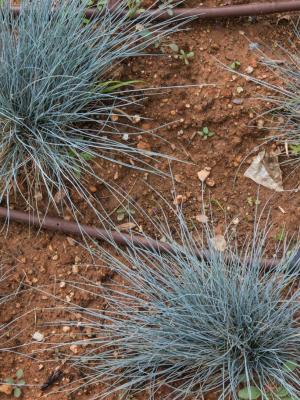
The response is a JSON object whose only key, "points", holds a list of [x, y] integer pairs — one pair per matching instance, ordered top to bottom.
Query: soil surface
{"points": [[42, 264]]}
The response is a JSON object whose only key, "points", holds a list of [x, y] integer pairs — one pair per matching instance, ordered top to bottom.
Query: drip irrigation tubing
{"points": [[243, 10], [114, 237]]}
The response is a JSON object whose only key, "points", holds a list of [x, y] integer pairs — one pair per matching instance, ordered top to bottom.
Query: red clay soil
{"points": [[45, 260]]}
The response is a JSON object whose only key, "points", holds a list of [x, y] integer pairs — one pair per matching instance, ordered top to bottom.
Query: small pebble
{"points": [[92, 189], [75, 269], [38, 336], [74, 348]]}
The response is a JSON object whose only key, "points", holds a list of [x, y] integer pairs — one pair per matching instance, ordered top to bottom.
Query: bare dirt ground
{"points": [[46, 260]]}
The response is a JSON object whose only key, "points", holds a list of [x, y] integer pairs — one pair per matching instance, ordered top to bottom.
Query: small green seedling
{"points": [[101, 4], [167, 5], [134, 8], [181, 54], [185, 56], [235, 65], [112, 86], [206, 133], [295, 149], [252, 202], [123, 212], [280, 234], [17, 383], [249, 393], [279, 393]]}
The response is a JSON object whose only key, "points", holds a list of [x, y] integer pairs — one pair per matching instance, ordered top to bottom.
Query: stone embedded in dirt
{"points": [[249, 70], [237, 101], [114, 118], [136, 119], [260, 124], [144, 146], [204, 174], [116, 175], [178, 178], [210, 182], [92, 189], [179, 199], [203, 219], [71, 241], [55, 257], [77, 260], [75, 269], [62, 285], [66, 329], [38, 336], [74, 349], [6, 389]]}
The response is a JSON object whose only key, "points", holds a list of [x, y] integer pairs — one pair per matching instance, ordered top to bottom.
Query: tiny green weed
{"points": [[17, 383]]}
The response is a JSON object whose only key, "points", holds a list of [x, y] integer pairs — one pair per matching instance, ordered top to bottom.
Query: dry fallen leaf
{"points": [[144, 146], [265, 171], [204, 174], [126, 226], [219, 243], [6, 389]]}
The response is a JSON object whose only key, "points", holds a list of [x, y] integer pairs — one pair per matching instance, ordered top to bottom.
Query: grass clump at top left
{"points": [[57, 96], [184, 323]]}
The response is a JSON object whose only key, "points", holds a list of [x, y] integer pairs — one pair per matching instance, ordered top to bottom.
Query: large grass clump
{"points": [[58, 94], [179, 325]]}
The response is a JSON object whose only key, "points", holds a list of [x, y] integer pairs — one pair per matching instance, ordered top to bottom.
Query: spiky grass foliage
{"points": [[57, 94], [285, 103], [6, 294], [180, 324]]}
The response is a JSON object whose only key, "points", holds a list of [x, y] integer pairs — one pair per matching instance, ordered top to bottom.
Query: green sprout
{"points": [[134, 8], [181, 54], [185, 56], [235, 65], [206, 133], [295, 149], [123, 212], [280, 234], [16, 383], [278, 393]]}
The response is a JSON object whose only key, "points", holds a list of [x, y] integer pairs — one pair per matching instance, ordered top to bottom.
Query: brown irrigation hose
{"points": [[242, 10], [122, 239]]}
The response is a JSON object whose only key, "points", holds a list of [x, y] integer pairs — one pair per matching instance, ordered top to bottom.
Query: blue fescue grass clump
{"points": [[57, 94], [179, 325]]}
